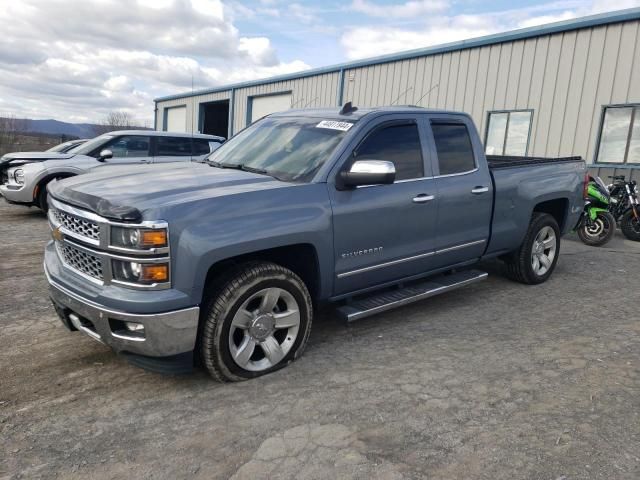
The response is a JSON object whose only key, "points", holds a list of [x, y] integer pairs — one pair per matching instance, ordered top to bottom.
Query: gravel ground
{"points": [[495, 381]]}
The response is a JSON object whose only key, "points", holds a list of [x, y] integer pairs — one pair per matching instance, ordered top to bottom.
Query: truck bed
{"points": [[506, 161]]}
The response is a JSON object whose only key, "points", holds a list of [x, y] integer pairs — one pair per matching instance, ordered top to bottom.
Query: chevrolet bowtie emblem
{"points": [[57, 234]]}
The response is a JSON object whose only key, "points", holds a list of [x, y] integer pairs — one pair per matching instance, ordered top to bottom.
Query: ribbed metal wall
{"points": [[565, 78], [314, 91], [193, 107]]}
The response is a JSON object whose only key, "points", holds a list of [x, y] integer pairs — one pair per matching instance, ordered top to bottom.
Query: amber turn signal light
{"points": [[153, 238], [154, 273]]}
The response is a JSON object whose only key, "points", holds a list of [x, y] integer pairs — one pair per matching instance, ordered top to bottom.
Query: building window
{"points": [[508, 133], [620, 135]]}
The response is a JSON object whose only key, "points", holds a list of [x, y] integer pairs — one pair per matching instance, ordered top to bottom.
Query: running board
{"points": [[366, 306]]}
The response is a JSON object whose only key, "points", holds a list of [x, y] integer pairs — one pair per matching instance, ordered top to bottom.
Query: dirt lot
{"points": [[496, 381]]}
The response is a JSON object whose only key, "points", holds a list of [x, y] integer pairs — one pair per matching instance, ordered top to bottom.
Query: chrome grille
{"points": [[77, 225], [80, 260]]}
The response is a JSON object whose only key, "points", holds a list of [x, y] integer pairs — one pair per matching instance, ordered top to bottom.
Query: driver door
{"points": [[129, 149], [384, 233]]}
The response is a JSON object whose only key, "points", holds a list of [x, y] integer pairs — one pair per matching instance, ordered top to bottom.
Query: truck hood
{"points": [[30, 157], [124, 192]]}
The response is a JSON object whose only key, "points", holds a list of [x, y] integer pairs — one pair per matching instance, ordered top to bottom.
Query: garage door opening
{"points": [[214, 118]]}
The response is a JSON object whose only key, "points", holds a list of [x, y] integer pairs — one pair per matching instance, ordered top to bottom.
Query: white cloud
{"points": [[409, 9], [374, 40], [81, 59]]}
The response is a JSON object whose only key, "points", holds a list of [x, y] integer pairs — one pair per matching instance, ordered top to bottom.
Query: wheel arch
{"points": [[42, 183], [558, 208], [301, 258]]}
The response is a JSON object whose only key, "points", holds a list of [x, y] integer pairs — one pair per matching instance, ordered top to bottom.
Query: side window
{"points": [[399, 144], [453, 144], [129, 146], [173, 146], [201, 146]]}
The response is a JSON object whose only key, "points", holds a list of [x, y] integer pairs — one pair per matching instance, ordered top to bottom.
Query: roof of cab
{"points": [[358, 113]]}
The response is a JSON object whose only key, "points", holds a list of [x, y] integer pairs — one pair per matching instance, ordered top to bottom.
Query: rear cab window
{"points": [[453, 146]]}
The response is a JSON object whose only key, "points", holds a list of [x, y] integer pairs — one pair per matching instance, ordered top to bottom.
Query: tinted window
{"points": [[399, 144], [453, 144], [129, 146], [174, 146], [201, 146]]}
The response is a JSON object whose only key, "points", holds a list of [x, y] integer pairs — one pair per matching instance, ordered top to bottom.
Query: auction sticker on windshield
{"points": [[333, 125]]}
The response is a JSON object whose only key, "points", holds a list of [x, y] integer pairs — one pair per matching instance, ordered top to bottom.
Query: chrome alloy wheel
{"points": [[543, 251], [264, 329]]}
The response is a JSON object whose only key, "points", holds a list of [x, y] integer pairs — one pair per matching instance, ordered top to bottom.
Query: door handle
{"points": [[478, 190], [422, 198]]}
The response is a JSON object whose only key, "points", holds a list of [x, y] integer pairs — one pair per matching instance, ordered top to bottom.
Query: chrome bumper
{"points": [[165, 334]]}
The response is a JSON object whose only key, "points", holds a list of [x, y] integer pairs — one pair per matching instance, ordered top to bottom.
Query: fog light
{"points": [[134, 327]]}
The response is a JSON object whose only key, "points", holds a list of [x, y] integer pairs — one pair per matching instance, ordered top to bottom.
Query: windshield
{"points": [[91, 145], [290, 149]]}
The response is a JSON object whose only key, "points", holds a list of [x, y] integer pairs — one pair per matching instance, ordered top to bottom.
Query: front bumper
{"points": [[14, 194], [165, 334]]}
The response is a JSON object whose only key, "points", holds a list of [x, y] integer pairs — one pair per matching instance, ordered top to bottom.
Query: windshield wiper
{"points": [[235, 166], [244, 168]]}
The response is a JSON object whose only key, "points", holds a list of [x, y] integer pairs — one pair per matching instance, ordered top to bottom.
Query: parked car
{"points": [[67, 146], [24, 176], [367, 209]]}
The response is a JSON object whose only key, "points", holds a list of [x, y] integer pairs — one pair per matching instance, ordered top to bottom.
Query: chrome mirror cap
{"points": [[367, 172]]}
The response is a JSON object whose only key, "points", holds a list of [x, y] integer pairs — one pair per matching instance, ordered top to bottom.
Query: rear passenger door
{"points": [[173, 149], [465, 191]]}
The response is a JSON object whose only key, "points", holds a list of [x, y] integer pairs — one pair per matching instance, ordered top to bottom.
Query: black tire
{"points": [[41, 199], [630, 226], [609, 229], [519, 265], [223, 301]]}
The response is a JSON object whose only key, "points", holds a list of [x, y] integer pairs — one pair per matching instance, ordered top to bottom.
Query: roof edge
{"points": [[512, 35]]}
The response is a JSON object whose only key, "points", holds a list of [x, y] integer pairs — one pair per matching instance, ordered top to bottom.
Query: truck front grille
{"points": [[79, 226], [80, 260]]}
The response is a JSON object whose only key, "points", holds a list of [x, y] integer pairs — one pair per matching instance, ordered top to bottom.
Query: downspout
{"points": [[340, 86], [232, 111], [155, 115]]}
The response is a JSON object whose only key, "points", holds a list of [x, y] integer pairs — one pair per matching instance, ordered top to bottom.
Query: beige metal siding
{"points": [[565, 78], [315, 91], [193, 107]]}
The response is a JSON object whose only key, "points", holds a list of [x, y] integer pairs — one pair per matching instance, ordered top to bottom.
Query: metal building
{"points": [[567, 88]]}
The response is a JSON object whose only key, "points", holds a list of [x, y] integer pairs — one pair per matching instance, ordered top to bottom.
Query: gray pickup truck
{"points": [[368, 209]]}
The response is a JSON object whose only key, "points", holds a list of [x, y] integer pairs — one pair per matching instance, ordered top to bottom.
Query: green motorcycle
{"points": [[597, 225]]}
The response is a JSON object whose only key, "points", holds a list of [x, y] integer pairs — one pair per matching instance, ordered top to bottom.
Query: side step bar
{"points": [[366, 306]]}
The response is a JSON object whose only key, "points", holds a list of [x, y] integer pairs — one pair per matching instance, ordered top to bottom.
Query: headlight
{"points": [[18, 176], [139, 238], [141, 273]]}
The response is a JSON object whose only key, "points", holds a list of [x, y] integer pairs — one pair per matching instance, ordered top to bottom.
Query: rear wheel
{"points": [[630, 226], [599, 231], [537, 256], [258, 321]]}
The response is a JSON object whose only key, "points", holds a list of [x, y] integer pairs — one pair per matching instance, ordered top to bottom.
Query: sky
{"points": [[77, 60]]}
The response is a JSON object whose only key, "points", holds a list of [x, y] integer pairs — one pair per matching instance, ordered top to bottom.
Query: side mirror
{"points": [[105, 155], [368, 172]]}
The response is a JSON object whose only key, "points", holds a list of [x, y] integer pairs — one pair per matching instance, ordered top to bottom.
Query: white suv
{"points": [[24, 176]]}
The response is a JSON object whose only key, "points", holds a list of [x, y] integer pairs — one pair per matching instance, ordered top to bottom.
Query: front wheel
{"points": [[630, 226], [598, 232], [537, 256], [256, 322]]}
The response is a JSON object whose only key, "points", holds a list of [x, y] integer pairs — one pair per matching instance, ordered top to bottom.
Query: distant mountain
{"points": [[56, 127]]}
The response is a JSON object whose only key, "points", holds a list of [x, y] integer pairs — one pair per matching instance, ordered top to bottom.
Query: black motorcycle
{"points": [[625, 206]]}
